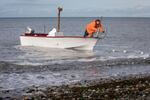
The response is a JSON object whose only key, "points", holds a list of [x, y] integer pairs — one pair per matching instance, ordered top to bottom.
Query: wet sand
{"points": [[131, 87]]}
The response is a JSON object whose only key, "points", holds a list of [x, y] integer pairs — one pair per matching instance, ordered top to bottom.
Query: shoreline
{"points": [[131, 87]]}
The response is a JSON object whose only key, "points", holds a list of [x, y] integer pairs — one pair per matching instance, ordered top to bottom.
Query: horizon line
{"points": [[82, 17]]}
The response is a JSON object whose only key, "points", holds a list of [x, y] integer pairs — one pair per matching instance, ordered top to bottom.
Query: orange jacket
{"points": [[91, 29]]}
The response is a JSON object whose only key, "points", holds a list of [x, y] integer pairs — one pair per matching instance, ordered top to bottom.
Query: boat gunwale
{"points": [[45, 36]]}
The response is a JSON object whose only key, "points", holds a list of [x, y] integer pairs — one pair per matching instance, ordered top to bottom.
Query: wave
{"points": [[75, 64], [14, 76]]}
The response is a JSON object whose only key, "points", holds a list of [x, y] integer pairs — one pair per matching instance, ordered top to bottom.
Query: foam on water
{"points": [[46, 56], [53, 71], [53, 78]]}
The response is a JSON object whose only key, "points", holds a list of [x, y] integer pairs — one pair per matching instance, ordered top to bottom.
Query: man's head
{"points": [[97, 23]]}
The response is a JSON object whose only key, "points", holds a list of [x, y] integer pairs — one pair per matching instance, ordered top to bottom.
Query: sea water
{"points": [[124, 51]]}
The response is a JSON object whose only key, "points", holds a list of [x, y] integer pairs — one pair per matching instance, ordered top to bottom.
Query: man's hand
{"points": [[90, 35]]}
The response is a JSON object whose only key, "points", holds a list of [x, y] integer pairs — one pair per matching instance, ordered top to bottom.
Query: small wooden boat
{"points": [[56, 40], [65, 42]]}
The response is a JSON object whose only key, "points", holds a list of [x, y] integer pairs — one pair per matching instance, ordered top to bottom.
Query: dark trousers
{"points": [[86, 33]]}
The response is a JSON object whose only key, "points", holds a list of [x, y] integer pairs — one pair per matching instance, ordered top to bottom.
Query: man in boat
{"points": [[93, 27]]}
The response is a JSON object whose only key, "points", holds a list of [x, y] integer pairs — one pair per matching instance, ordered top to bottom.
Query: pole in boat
{"points": [[58, 26]]}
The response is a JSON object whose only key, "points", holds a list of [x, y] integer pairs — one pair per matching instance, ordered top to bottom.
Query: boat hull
{"points": [[68, 42]]}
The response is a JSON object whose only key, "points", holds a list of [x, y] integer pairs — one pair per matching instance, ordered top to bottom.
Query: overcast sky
{"points": [[75, 8]]}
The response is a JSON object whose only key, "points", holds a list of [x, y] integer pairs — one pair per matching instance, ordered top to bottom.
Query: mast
{"points": [[58, 25]]}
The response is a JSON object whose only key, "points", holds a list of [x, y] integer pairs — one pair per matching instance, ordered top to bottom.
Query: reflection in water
{"points": [[40, 55]]}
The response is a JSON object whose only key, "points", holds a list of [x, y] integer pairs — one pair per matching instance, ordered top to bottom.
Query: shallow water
{"points": [[123, 52]]}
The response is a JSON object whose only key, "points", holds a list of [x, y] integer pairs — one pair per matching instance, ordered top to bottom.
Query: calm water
{"points": [[124, 51]]}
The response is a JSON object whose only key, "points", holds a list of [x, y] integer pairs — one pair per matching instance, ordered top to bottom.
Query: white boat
{"points": [[55, 39], [65, 42]]}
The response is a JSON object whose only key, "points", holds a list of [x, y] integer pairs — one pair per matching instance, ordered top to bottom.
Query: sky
{"points": [[75, 8]]}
